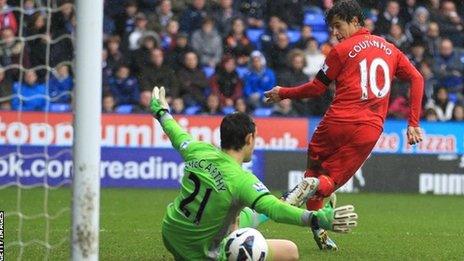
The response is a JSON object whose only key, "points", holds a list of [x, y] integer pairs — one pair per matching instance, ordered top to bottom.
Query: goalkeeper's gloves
{"points": [[158, 104], [340, 220]]}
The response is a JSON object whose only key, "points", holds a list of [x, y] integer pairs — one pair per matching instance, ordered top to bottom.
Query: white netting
{"points": [[39, 221]]}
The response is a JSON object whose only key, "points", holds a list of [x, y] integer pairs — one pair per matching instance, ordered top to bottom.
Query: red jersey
{"points": [[363, 67]]}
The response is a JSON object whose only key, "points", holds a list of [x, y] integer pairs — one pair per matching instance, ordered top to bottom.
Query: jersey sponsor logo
{"points": [[325, 68], [260, 187]]}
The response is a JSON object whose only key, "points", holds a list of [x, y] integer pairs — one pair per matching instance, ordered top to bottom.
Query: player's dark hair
{"points": [[346, 10], [234, 128]]}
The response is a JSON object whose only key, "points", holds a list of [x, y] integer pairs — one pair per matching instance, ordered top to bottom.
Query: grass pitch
{"points": [[391, 226]]}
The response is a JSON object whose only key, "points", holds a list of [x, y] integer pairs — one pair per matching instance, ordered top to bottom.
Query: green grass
{"points": [[391, 226]]}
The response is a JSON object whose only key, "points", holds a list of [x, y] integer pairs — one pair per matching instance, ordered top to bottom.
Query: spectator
{"points": [[28, 10], [253, 10], [407, 10], [291, 12], [163, 15], [224, 16], [7, 17], [388, 18], [191, 19], [62, 21], [125, 22], [450, 23], [370, 25], [109, 27], [416, 30], [140, 31], [306, 35], [269, 37], [168, 38], [398, 38], [433, 39], [236, 42], [207, 43], [37, 47], [11, 49], [177, 54], [417, 54], [115, 55], [277, 55], [141, 56], [314, 58], [448, 67], [107, 71], [157, 73], [295, 76], [429, 78], [259, 79], [193, 83], [225, 83], [60, 85], [124, 87], [5, 91], [29, 95], [108, 103], [144, 103], [441, 105], [177, 106], [213, 106], [241, 106], [399, 107], [284, 109], [458, 113], [430, 115]]}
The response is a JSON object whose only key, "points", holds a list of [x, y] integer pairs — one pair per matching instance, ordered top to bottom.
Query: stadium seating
{"points": [[316, 21], [254, 35], [293, 35], [321, 37], [208, 71], [60, 107], [125, 108], [228, 109], [192, 110], [262, 112]]}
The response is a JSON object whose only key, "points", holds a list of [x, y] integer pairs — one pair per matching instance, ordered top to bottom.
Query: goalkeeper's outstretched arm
{"points": [[160, 110]]}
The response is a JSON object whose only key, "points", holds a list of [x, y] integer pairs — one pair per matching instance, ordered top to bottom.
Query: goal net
{"points": [[37, 77]]}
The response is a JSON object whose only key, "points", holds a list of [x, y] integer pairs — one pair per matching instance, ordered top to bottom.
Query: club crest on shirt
{"points": [[325, 68], [184, 145], [260, 187]]}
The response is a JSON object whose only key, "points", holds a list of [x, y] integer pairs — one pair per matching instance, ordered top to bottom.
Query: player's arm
{"points": [[407, 71], [314, 88], [160, 110], [255, 195]]}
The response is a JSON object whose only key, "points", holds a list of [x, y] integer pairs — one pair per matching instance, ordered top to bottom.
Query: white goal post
{"points": [[87, 130]]}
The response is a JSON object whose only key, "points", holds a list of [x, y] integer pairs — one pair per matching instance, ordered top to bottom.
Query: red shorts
{"points": [[339, 150]]}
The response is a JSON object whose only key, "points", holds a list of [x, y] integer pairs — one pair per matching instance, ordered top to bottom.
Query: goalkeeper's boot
{"points": [[301, 192], [321, 236]]}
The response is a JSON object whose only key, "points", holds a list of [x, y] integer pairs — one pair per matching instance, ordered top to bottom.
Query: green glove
{"points": [[158, 104], [341, 219]]}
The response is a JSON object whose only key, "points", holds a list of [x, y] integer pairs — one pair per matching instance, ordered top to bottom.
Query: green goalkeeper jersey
{"points": [[214, 189]]}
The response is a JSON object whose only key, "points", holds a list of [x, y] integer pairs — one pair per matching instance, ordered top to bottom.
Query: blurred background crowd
{"points": [[217, 56]]}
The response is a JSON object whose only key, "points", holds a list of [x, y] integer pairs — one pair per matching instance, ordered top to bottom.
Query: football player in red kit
{"points": [[362, 66]]}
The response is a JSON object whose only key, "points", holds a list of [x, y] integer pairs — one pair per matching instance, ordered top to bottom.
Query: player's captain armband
{"points": [[322, 75], [184, 145], [260, 187]]}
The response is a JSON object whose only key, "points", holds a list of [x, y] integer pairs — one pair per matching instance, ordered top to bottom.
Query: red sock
{"points": [[326, 186], [315, 203]]}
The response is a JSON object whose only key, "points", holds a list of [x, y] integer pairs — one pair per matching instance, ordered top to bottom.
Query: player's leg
{"points": [[280, 249]]}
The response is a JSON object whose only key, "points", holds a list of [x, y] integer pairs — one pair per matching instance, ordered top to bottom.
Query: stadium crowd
{"points": [[217, 56]]}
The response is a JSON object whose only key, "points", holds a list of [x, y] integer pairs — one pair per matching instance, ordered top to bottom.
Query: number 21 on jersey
{"points": [[369, 77]]}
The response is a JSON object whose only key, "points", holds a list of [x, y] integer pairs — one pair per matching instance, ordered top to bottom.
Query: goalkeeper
{"points": [[215, 189]]}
